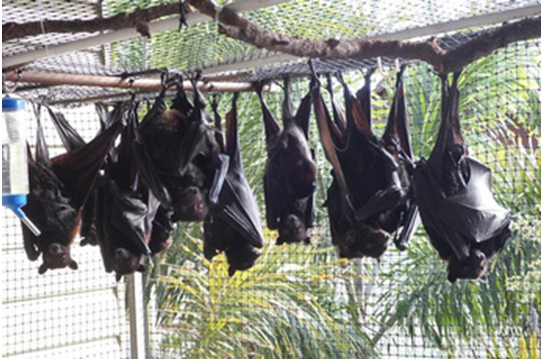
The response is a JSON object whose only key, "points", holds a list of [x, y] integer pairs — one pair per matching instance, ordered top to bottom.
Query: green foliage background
{"points": [[304, 302]]}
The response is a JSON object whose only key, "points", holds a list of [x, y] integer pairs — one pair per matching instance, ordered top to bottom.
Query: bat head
{"points": [[191, 205], [292, 230], [160, 238], [364, 241], [57, 256], [240, 257], [126, 262], [471, 268]]}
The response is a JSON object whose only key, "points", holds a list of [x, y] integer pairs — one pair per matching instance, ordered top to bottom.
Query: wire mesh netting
{"points": [[201, 47], [298, 301], [302, 302], [67, 314]]}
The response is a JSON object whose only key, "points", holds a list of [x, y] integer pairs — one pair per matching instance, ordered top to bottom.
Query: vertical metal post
{"points": [[136, 313]]}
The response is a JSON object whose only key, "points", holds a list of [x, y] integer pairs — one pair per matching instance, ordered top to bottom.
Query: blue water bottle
{"points": [[14, 162]]}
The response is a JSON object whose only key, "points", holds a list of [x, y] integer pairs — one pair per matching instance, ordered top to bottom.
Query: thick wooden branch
{"points": [[137, 19], [236, 27], [488, 42]]}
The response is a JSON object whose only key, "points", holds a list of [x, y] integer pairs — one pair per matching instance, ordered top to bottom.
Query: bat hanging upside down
{"points": [[178, 156], [289, 178], [59, 188], [371, 194], [463, 220], [233, 225]]}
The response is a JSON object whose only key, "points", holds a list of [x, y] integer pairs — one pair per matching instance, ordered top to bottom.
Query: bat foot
{"points": [[402, 246]]}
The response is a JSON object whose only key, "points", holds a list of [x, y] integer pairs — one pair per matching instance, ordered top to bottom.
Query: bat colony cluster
{"points": [[175, 165]]}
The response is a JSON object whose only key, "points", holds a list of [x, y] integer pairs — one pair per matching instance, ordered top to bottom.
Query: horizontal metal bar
{"points": [[46, 78], [69, 293]]}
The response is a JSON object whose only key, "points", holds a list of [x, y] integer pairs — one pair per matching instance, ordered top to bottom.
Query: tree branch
{"points": [[138, 19], [236, 27]]}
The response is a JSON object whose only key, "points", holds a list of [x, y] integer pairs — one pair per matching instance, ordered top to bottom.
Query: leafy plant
{"points": [[289, 305], [460, 317]]}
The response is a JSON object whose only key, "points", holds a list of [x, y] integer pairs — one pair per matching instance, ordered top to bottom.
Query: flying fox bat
{"points": [[72, 141], [177, 157], [289, 178], [59, 188], [370, 196], [124, 209], [463, 220], [234, 225], [161, 235]]}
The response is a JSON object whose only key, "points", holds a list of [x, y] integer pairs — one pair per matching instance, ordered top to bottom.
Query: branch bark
{"points": [[138, 19], [236, 27]]}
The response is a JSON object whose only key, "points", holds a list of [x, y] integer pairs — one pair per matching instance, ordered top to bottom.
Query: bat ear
{"points": [[73, 265], [140, 268], [42, 269], [231, 271], [118, 276], [451, 277]]}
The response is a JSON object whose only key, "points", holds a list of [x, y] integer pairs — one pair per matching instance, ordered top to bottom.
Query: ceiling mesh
{"points": [[201, 47]]}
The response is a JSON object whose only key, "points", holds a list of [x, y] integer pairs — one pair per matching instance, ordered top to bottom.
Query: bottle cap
{"points": [[10, 104], [14, 202]]}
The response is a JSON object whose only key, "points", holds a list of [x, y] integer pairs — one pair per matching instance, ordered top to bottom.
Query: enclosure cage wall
{"points": [[297, 301]]}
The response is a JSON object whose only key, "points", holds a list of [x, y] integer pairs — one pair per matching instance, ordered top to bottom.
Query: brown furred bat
{"points": [[72, 141], [289, 178], [59, 188], [464, 222]]}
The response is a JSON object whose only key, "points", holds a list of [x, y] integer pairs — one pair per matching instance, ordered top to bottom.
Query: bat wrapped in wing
{"points": [[72, 141], [177, 156], [289, 178], [59, 188], [370, 196], [124, 208], [463, 220], [234, 224]]}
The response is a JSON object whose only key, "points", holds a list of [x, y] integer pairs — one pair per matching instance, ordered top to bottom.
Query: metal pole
{"points": [[46, 78], [136, 313]]}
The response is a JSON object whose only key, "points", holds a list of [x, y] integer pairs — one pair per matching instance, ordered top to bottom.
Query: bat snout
{"points": [[55, 249], [120, 252]]}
